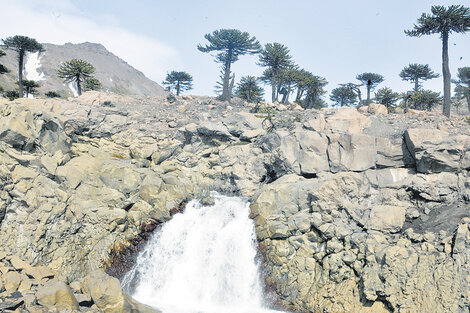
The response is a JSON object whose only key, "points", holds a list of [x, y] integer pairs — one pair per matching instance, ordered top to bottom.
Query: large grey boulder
{"points": [[436, 150], [352, 152], [313, 156]]}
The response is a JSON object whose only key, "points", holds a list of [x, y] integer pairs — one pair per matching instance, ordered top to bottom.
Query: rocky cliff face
{"points": [[115, 75], [354, 212]]}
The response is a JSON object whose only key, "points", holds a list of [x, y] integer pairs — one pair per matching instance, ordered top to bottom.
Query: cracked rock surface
{"points": [[354, 212]]}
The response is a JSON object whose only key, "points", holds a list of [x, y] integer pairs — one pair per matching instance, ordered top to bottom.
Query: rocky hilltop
{"points": [[115, 74], [354, 212]]}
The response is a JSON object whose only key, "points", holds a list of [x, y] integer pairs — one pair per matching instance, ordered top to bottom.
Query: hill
{"points": [[115, 74]]}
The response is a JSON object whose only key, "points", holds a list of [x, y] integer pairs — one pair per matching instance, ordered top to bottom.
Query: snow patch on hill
{"points": [[33, 62]]}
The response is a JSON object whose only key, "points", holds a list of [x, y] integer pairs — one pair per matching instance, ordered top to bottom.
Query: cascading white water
{"points": [[202, 260]]}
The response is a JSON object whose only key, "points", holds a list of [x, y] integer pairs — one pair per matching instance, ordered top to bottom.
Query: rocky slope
{"points": [[114, 74], [355, 212]]}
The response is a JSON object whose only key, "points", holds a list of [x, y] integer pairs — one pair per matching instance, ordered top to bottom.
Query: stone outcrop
{"points": [[354, 212], [27, 288]]}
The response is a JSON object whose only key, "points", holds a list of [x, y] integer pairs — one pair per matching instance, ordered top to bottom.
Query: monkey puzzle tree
{"points": [[443, 21], [230, 44], [22, 45], [275, 57], [76, 71], [416, 72], [370, 80], [180, 81], [286, 81], [92, 84], [463, 84], [30, 87], [356, 88], [249, 89], [315, 91], [343, 96], [387, 97], [425, 99]]}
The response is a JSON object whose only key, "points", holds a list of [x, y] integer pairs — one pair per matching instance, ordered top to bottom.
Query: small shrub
{"points": [[12, 94], [52, 94]]}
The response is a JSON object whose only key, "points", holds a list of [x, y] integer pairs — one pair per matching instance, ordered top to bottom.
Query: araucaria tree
{"points": [[443, 21], [230, 44], [22, 45], [275, 57], [76, 71], [416, 73], [370, 80], [179, 81], [92, 84], [463, 84], [30, 87], [249, 89], [343, 96], [387, 97], [426, 99]]}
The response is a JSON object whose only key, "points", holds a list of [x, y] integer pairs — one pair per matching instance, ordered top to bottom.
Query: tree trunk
{"points": [[20, 72], [446, 73], [232, 83], [416, 84], [79, 87], [178, 88], [273, 90], [226, 94], [368, 95], [359, 96], [284, 97], [297, 98], [468, 103], [405, 110]]}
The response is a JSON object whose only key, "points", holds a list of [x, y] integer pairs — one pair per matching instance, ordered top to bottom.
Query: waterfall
{"points": [[203, 260]]}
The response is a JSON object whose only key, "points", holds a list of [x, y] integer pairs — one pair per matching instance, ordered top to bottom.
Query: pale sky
{"points": [[333, 39]]}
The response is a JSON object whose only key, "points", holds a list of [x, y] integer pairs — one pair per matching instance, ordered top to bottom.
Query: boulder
{"points": [[377, 109], [348, 120], [316, 123], [436, 150], [352, 152], [312, 156], [386, 218], [19, 264], [12, 281], [106, 292], [55, 294]]}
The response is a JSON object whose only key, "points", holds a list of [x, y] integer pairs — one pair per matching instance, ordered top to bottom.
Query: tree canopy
{"points": [[443, 21], [230, 44], [22, 45], [275, 57], [76, 71], [416, 73], [370, 80], [179, 81], [92, 84], [463, 84], [30, 87], [249, 89], [343, 96], [387, 97], [425, 99]]}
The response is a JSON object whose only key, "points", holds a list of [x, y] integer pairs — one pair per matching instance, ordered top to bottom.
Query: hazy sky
{"points": [[333, 39]]}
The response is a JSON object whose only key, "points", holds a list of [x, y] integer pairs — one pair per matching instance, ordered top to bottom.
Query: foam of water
{"points": [[202, 260]]}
